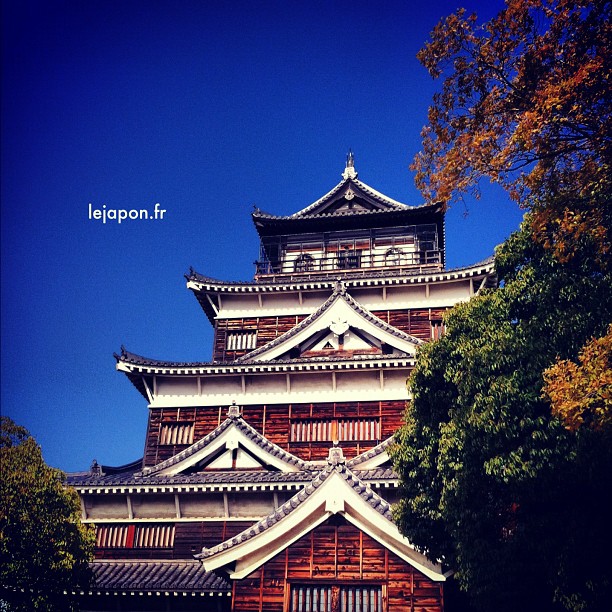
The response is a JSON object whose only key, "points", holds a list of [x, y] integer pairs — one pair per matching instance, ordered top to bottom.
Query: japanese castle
{"points": [[266, 483]]}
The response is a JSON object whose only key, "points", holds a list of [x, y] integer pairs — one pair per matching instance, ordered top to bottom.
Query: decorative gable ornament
{"points": [[339, 327], [234, 412], [336, 456]]}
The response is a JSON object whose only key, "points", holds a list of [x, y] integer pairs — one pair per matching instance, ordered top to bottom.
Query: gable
{"points": [[350, 198], [340, 327], [233, 445], [335, 491]]}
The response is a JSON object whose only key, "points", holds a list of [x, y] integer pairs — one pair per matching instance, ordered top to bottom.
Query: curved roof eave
{"points": [[347, 181], [197, 282], [131, 363], [336, 489]]}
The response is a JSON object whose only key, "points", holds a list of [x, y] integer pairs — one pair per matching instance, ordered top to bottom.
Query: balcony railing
{"points": [[305, 264]]}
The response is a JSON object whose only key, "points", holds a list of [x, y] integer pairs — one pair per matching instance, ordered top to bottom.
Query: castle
{"points": [[266, 483]]}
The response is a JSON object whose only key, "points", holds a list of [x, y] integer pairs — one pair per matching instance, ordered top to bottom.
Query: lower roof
{"points": [[176, 576]]}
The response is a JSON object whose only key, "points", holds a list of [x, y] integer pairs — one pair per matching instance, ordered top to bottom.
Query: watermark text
{"points": [[118, 215]]}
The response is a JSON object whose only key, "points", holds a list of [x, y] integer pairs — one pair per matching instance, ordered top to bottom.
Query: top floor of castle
{"points": [[352, 230]]}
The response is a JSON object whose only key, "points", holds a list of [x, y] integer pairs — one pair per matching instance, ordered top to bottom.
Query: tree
{"points": [[526, 102], [581, 395], [502, 477], [492, 482], [44, 547]]}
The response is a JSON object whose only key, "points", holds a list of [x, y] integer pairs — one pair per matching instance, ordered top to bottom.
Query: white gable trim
{"points": [[338, 313], [232, 438], [334, 495]]}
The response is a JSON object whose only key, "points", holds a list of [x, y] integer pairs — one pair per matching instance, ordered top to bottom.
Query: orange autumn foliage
{"points": [[525, 102], [581, 394]]}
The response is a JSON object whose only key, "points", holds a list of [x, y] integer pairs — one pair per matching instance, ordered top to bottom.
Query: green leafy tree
{"points": [[501, 478], [492, 482], [44, 547]]}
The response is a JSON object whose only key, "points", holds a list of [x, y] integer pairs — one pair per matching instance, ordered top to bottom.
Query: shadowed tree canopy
{"points": [[525, 102], [492, 481], [44, 548]]}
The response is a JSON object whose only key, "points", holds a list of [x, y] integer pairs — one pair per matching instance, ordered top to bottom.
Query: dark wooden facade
{"points": [[418, 322], [275, 422], [333, 558]]}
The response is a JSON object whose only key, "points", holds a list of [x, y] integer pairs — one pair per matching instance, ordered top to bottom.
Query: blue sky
{"points": [[208, 108]]}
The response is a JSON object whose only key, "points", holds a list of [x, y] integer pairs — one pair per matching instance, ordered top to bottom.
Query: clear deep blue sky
{"points": [[207, 108]]}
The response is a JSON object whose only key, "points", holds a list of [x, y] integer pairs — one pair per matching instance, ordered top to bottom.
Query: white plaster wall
{"points": [[177, 386], [202, 505], [249, 505], [153, 506], [106, 507]]}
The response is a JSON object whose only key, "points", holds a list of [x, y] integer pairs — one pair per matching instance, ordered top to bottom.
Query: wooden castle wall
{"points": [[414, 321], [266, 328], [274, 422], [189, 539], [336, 554]]}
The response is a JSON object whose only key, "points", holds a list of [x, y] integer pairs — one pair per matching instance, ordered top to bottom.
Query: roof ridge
{"points": [[371, 453], [364, 490]]}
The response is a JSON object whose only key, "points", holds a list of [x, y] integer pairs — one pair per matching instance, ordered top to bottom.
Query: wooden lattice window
{"points": [[241, 341], [327, 430], [176, 433], [113, 536], [134, 536], [154, 536], [336, 598]]}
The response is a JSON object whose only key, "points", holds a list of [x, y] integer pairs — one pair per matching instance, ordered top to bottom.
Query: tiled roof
{"points": [[357, 187], [389, 203], [357, 277], [339, 293], [139, 360], [250, 432], [370, 454], [380, 473], [254, 477], [200, 478], [361, 488], [173, 576]]}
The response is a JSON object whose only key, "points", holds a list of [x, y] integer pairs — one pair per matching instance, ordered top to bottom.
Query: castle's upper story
{"points": [[352, 228], [390, 257]]}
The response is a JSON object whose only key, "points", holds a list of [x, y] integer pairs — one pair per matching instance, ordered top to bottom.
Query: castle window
{"points": [[393, 257], [349, 258], [304, 263], [437, 329], [241, 341], [328, 430], [176, 433], [113, 536], [134, 536], [154, 536], [336, 598]]}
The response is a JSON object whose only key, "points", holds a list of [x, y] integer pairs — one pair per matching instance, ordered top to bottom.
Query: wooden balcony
{"points": [[357, 263]]}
